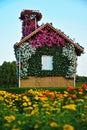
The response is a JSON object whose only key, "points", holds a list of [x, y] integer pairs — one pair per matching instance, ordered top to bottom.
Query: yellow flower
{"points": [[31, 91], [66, 92], [81, 93], [36, 97], [85, 97], [1, 98], [26, 98], [43, 98], [81, 100], [29, 103], [24, 104], [35, 105], [46, 105], [70, 106], [85, 106], [28, 108], [35, 111], [48, 113], [83, 114], [27, 115], [9, 118], [84, 120], [19, 122], [53, 124], [7, 125], [36, 126], [68, 127], [15, 129]]}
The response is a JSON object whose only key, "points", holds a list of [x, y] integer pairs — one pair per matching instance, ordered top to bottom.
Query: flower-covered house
{"points": [[46, 57]]}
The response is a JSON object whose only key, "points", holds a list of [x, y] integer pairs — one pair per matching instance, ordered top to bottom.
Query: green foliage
{"points": [[60, 62], [8, 74], [81, 79], [23, 90]]}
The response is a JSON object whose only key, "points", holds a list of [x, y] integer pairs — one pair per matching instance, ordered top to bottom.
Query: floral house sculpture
{"points": [[46, 57]]}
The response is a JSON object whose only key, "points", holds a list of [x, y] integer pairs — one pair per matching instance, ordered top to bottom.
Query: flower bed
{"points": [[44, 110]]}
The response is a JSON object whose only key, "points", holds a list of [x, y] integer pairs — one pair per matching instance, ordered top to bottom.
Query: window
{"points": [[47, 62]]}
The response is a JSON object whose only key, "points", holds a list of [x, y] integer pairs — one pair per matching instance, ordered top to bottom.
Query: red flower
{"points": [[84, 86], [71, 88], [80, 90], [47, 93], [74, 96], [52, 97]]}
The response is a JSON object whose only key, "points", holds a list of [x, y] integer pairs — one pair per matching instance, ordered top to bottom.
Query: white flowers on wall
{"points": [[69, 51], [23, 53]]}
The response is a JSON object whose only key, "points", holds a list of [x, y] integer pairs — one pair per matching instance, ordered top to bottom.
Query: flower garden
{"points": [[39, 109]]}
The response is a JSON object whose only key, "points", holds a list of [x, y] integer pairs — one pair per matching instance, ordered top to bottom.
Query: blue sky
{"points": [[68, 15]]}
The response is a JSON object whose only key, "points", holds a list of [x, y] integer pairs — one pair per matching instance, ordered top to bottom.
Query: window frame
{"points": [[47, 62]]}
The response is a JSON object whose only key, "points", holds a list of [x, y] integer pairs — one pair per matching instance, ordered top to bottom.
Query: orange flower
{"points": [[84, 86], [70, 88], [80, 90], [47, 93], [74, 96], [43, 97], [52, 97]]}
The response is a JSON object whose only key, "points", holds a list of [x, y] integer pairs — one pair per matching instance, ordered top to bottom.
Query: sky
{"points": [[68, 15]]}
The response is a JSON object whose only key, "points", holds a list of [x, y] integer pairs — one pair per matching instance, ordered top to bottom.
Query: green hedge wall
{"points": [[60, 62]]}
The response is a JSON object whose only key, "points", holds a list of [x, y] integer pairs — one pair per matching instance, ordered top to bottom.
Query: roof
{"points": [[78, 48]]}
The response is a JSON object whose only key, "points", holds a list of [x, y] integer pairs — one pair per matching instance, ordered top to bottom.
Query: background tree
{"points": [[8, 74], [81, 79]]}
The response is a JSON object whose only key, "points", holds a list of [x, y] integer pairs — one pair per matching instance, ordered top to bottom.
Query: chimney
{"points": [[30, 20]]}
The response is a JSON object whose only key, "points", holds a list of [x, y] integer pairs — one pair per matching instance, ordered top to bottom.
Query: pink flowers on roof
{"points": [[47, 37]]}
